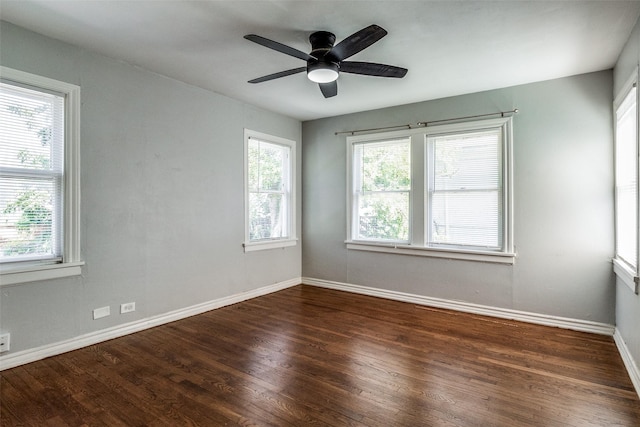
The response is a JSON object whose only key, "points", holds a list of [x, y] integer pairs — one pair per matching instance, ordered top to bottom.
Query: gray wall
{"points": [[162, 197], [162, 200], [563, 204], [627, 303]]}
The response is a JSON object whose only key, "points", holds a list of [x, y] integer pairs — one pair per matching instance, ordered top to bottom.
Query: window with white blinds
{"points": [[32, 168], [39, 178], [626, 178], [465, 190], [269, 191], [442, 191]]}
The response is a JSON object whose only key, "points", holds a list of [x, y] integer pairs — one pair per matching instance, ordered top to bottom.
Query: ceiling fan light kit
{"points": [[325, 61], [322, 72]]}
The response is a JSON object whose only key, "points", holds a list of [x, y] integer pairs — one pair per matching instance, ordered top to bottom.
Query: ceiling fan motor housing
{"points": [[321, 43], [321, 68]]}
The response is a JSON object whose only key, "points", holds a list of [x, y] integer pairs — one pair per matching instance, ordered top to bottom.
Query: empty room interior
{"points": [[344, 213]]}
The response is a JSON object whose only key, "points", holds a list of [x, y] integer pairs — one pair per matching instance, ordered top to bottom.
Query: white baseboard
{"points": [[503, 313], [627, 358], [12, 360]]}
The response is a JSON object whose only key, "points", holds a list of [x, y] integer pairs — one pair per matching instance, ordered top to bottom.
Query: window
{"points": [[39, 167], [382, 184], [626, 187], [465, 190], [269, 191], [442, 191]]}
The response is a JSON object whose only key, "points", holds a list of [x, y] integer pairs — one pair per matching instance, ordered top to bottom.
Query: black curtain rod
{"points": [[425, 124]]}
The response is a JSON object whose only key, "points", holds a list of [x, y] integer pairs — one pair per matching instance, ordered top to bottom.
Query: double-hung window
{"points": [[39, 178], [626, 184], [465, 190], [269, 191], [441, 191], [381, 193]]}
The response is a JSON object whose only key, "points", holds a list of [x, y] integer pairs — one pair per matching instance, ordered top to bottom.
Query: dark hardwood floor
{"points": [[309, 356]]}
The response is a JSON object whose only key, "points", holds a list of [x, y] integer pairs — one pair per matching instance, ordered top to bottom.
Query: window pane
{"points": [[32, 126], [467, 161], [31, 165], [253, 165], [267, 165], [271, 166], [386, 167], [626, 181], [382, 183], [269, 190], [466, 190], [27, 207], [266, 216], [384, 216], [466, 218], [626, 219]]}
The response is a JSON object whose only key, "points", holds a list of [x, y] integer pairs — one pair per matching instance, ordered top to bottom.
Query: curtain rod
{"points": [[425, 124]]}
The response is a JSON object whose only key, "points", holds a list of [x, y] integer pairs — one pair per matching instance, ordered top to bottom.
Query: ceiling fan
{"points": [[326, 61]]}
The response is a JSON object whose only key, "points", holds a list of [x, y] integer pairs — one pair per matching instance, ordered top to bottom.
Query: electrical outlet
{"points": [[127, 307], [101, 312], [5, 342]]}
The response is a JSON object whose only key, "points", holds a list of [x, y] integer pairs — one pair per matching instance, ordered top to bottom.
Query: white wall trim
{"points": [[405, 249], [626, 275], [523, 316], [627, 358], [12, 360]]}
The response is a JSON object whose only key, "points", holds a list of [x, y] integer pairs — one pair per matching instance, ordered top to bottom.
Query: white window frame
{"points": [[290, 194], [419, 194], [622, 269], [13, 273]]}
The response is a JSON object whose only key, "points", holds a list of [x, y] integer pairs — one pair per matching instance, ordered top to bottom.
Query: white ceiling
{"points": [[449, 47]]}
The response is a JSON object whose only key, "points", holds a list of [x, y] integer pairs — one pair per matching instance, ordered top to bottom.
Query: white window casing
{"points": [[481, 151], [627, 194], [270, 217], [64, 257]]}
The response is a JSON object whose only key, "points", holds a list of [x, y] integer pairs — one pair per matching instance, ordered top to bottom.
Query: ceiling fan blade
{"points": [[357, 42], [279, 47], [372, 69], [278, 75], [329, 89]]}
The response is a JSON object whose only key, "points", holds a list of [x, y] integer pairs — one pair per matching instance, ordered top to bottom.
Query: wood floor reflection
{"points": [[309, 356]]}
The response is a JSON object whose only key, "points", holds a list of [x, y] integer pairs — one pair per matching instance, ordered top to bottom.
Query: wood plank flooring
{"points": [[308, 356]]}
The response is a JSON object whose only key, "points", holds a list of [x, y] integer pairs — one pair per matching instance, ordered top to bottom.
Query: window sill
{"points": [[269, 244], [401, 249], [33, 273], [626, 275]]}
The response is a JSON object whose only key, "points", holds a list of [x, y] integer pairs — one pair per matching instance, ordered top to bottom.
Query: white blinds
{"points": [[31, 172], [627, 181], [465, 190]]}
